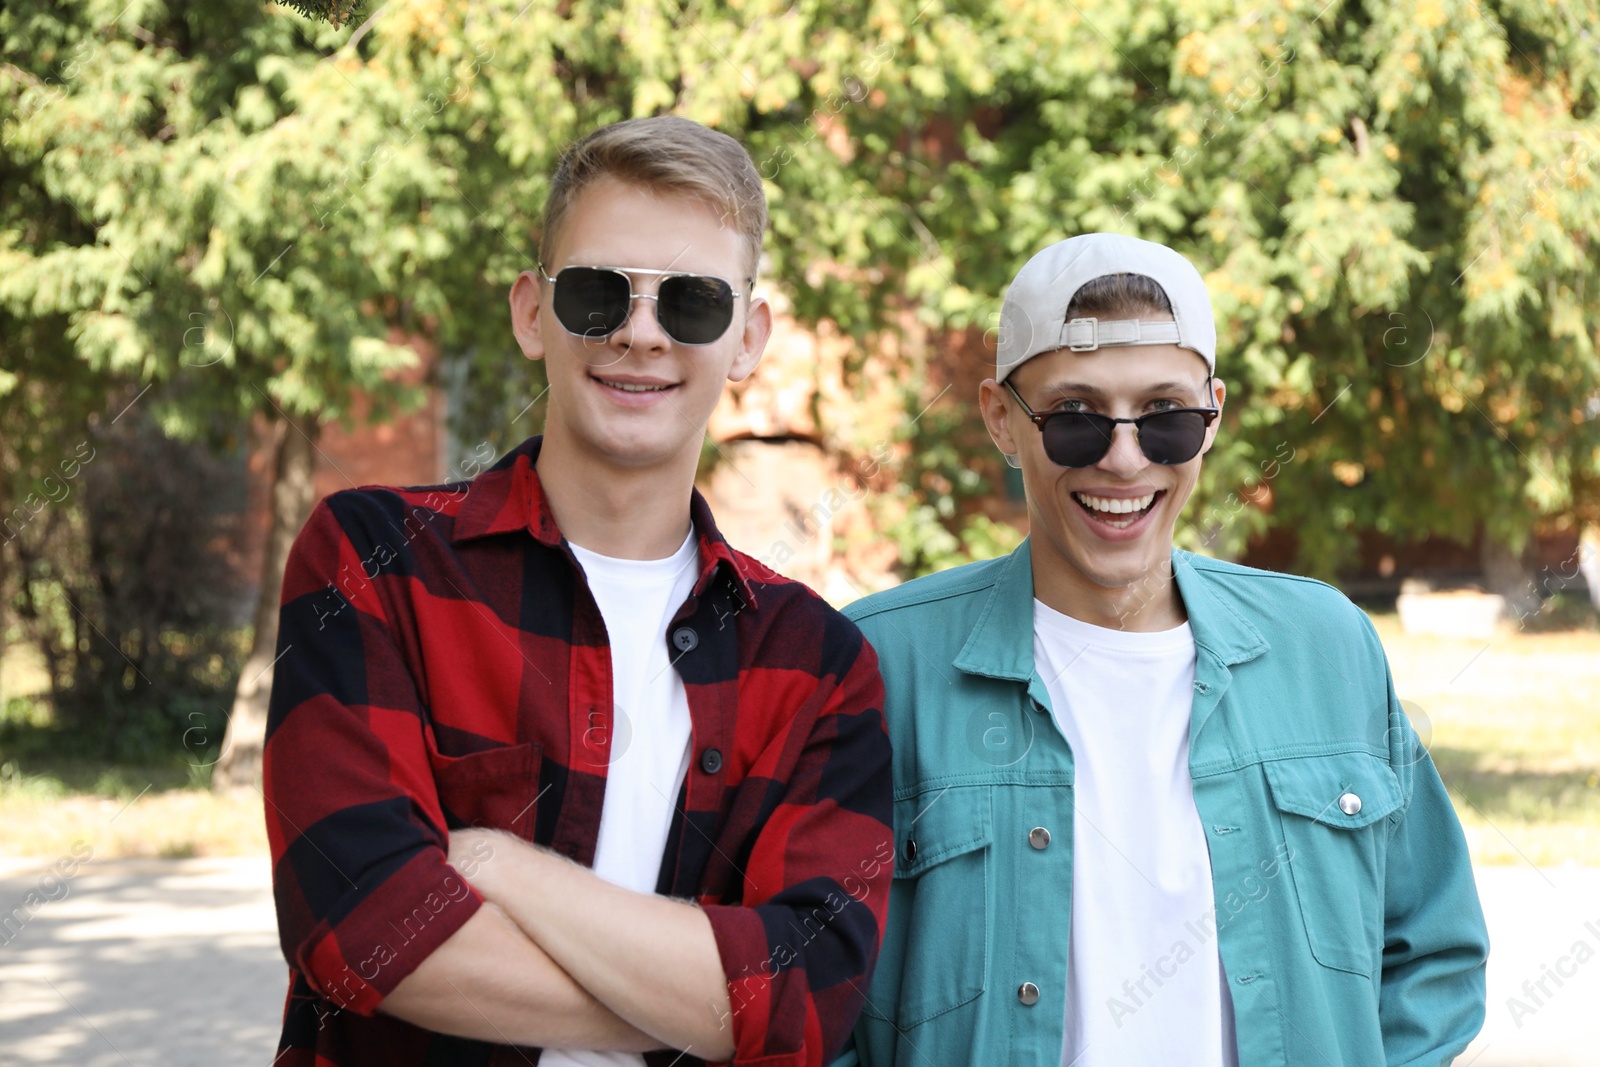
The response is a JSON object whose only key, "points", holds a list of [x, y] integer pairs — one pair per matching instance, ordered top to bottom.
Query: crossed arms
{"points": [[559, 958]]}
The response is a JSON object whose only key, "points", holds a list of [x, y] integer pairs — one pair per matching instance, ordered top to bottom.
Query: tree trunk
{"points": [[294, 452], [1511, 574], [5, 605], [42, 633]]}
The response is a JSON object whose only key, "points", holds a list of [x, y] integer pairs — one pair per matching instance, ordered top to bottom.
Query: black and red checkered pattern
{"points": [[443, 664]]}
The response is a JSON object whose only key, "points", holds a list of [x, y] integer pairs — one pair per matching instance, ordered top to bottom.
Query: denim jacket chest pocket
{"points": [[1333, 809], [940, 913]]}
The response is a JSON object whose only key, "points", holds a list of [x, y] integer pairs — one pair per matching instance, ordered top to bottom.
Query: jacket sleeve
{"points": [[359, 873], [1435, 944], [799, 952]]}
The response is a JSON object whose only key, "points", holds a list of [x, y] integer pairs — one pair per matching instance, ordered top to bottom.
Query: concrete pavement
{"points": [[141, 962], [1544, 968]]}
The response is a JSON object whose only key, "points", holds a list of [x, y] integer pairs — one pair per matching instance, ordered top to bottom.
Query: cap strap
{"points": [[1084, 335]]}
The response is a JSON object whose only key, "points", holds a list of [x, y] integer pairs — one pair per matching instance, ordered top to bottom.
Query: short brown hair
{"points": [[666, 154], [1119, 296]]}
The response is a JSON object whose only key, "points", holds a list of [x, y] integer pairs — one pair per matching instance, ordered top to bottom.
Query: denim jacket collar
{"points": [[1000, 644]]}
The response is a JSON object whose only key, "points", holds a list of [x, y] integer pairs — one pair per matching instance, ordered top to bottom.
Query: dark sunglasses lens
{"points": [[591, 302], [695, 310], [1171, 437], [1077, 438]]}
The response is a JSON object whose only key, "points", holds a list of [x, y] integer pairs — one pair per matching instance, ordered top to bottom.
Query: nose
{"points": [[643, 328], [1125, 458]]}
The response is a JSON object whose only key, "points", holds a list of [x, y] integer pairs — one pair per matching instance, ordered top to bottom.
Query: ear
{"points": [[527, 300], [753, 340], [1219, 393], [996, 402]]}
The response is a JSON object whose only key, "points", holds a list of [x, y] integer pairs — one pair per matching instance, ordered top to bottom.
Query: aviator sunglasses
{"points": [[594, 302], [1082, 438]]}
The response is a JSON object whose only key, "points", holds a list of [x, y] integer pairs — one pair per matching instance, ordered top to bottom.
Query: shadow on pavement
{"points": [[171, 962]]}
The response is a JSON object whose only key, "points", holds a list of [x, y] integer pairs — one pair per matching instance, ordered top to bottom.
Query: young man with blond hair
{"points": [[550, 766], [1151, 808]]}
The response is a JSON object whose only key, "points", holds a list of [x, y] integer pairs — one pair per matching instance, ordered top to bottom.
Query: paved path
{"points": [[1540, 920], [142, 962], [175, 962]]}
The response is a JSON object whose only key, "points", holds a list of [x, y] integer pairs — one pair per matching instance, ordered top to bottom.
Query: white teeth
{"points": [[630, 387], [1114, 506]]}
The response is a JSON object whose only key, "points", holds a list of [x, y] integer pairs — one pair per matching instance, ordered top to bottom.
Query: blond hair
{"points": [[665, 154]]}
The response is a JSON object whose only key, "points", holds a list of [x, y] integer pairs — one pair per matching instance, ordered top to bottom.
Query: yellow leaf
{"points": [[1347, 472]]}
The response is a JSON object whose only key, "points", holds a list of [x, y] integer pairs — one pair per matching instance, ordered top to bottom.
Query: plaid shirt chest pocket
{"points": [[496, 789]]}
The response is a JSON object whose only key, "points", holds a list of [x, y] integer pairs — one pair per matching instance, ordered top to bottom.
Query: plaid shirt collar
{"points": [[508, 497]]}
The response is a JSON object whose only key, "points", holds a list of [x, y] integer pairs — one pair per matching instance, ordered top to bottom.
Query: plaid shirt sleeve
{"points": [[360, 879], [799, 950]]}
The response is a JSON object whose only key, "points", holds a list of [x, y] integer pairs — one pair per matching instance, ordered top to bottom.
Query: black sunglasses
{"points": [[594, 302], [1082, 438]]}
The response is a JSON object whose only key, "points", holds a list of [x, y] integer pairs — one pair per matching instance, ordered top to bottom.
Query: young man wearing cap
{"points": [[550, 765], [1151, 808]]}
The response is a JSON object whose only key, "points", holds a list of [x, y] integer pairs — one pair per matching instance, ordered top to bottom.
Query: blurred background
{"points": [[251, 255]]}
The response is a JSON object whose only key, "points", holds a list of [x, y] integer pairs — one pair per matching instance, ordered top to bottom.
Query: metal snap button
{"points": [[685, 639], [711, 761], [1350, 804], [1039, 837], [911, 850], [1028, 993]]}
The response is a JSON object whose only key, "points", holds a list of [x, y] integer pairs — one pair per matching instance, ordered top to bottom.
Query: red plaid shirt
{"points": [[443, 664]]}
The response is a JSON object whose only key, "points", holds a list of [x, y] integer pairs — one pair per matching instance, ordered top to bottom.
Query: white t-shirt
{"points": [[650, 730], [1144, 982]]}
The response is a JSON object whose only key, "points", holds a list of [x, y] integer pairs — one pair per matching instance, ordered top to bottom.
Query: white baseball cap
{"points": [[1033, 318]]}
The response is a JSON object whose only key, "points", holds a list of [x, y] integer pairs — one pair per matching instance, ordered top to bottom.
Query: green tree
{"points": [[1392, 202], [202, 226]]}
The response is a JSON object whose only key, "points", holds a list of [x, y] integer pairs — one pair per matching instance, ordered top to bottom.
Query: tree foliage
{"points": [[254, 212]]}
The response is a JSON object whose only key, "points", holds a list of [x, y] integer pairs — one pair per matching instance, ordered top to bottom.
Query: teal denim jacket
{"points": [[1350, 933]]}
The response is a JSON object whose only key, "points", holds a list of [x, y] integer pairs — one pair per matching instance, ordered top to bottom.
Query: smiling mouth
{"points": [[631, 387], [1118, 512]]}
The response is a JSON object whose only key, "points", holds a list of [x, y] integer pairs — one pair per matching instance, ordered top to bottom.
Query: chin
{"points": [[638, 446], [1120, 566], [1118, 575]]}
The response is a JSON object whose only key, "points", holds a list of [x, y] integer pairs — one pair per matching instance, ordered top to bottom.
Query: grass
{"points": [[1513, 724], [1515, 733], [51, 799], [123, 811]]}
